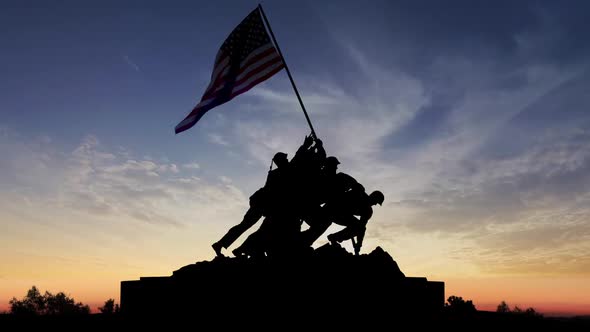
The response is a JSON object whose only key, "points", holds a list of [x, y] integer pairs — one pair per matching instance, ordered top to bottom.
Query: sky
{"points": [[470, 116]]}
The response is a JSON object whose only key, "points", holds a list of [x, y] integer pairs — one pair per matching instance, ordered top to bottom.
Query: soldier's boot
{"points": [[333, 240], [217, 247]]}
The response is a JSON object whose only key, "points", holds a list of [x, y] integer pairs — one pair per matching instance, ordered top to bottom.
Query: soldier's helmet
{"points": [[280, 157], [331, 161], [377, 197]]}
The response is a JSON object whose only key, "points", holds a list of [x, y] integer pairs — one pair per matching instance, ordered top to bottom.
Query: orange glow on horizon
{"points": [[486, 293]]}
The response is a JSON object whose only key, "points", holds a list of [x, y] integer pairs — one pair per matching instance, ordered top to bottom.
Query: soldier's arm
{"points": [[302, 149], [320, 151], [270, 179], [366, 215]]}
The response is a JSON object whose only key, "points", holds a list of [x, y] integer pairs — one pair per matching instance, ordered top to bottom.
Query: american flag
{"points": [[246, 58]]}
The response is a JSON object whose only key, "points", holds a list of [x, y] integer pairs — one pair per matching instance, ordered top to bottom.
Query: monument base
{"points": [[328, 280]]}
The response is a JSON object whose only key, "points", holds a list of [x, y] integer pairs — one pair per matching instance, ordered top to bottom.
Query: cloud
{"points": [[131, 63], [326, 96], [350, 127], [476, 133], [218, 139], [444, 145], [191, 166], [168, 168], [225, 179], [97, 183], [143, 189], [522, 212], [560, 246]]}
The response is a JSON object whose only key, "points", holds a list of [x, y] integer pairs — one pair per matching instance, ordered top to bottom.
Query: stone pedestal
{"points": [[329, 280]]}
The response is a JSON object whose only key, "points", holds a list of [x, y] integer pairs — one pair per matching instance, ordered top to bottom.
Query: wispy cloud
{"points": [[131, 63], [319, 101], [351, 127], [218, 139], [481, 153], [191, 166], [225, 179], [93, 181], [452, 184], [141, 189]]}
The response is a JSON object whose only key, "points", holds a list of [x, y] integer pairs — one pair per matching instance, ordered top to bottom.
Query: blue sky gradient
{"points": [[471, 116]]}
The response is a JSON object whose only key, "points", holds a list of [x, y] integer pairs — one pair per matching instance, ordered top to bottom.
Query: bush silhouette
{"points": [[32, 304], [48, 304], [456, 304], [109, 307], [503, 307], [532, 312]]}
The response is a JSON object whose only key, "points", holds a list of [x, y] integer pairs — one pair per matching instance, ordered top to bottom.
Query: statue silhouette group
{"points": [[306, 189]]}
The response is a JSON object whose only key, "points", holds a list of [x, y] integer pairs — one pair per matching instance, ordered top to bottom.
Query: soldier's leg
{"points": [[253, 214], [319, 222], [352, 229], [256, 244], [250, 245]]}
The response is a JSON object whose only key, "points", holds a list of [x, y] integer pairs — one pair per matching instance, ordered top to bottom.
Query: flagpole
{"points": [[287, 69]]}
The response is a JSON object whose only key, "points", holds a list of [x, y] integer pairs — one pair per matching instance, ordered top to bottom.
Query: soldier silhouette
{"points": [[307, 165], [329, 189], [261, 202], [343, 211], [280, 230]]}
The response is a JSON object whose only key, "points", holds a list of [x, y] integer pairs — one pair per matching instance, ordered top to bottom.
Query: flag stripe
{"points": [[262, 51], [246, 58], [262, 58], [261, 65], [219, 68], [244, 74], [258, 77], [251, 81], [206, 105]]}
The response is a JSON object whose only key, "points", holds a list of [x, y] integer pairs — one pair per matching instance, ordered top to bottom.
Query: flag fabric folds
{"points": [[246, 58]]}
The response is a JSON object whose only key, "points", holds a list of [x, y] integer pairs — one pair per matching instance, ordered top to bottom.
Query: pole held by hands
{"points": [[287, 69]]}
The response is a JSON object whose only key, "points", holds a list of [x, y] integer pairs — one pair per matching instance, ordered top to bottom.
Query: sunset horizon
{"points": [[471, 119], [553, 306]]}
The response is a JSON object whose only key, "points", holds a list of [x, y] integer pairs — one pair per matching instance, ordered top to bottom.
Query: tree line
{"points": [[35, 304], [456, 304]]}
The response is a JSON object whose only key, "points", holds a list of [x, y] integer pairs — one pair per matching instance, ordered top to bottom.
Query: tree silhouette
{"points": [[32, 304], [48, 304], [61, 304], [456, 304], [109, 307], [503, 307], [532, 312]]}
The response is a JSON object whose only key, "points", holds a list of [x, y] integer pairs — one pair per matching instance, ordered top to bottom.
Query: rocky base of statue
{"points": [[328, 280]]}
